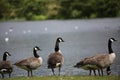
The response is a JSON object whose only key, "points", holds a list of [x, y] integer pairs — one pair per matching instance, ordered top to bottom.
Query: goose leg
{"points": [[59, 70], [53, 71], [94, 72], [99, 72], [102, 72], [28, 73], [31, 73], [90, 73], [2, 75], [9, 75]]}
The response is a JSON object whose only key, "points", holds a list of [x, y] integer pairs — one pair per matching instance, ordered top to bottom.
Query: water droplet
{"points": [[76, 27], [11, 29], [46, 29], [29, 31], [24, 32], [6, 33], [6, 39]]}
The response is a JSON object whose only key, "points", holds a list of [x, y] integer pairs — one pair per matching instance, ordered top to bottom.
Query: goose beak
{"points": [[115, 40], [63, 41], [40, 49], [9, 54]]}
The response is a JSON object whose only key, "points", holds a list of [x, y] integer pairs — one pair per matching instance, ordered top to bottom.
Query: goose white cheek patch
{"points": [[60, 40], [112, 40], [36, 49], [7, 54]]}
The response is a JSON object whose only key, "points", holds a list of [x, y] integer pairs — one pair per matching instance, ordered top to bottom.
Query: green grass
{"points": [[66, 78]]}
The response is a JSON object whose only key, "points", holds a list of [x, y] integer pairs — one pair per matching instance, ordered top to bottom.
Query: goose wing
{"points": [[98, 60], [31, 63], [6, 66]]}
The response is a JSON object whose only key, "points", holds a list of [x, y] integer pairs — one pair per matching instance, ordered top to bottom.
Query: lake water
{"points": [[83, 38]]}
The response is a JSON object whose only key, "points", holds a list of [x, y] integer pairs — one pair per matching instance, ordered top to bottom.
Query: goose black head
{"points": [[59, 39], [112, 39], [36, 48], [7, 54], [79, 64]]}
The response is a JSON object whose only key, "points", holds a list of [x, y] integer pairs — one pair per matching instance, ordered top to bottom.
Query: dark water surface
{"points": [[83, 38]]}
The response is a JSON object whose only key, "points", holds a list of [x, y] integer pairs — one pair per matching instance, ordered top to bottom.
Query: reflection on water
{"points": [[83, 38]]}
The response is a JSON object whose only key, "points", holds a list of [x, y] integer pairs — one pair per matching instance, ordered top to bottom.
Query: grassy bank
{"points": [[66, 78]]}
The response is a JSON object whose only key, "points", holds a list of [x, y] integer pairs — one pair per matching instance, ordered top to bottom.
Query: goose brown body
{"points": [[55, 60], [29, 63]]}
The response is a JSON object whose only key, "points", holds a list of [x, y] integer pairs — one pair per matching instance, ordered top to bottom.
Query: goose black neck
{"points": [[57, 46], [110, 47], [35, 53], [4, 57]]}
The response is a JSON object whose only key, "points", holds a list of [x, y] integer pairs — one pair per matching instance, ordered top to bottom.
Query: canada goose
{"points": [[56, 59], [100, 61], [31, 63], [5, 66]]}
